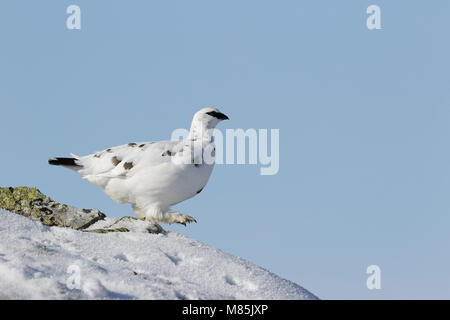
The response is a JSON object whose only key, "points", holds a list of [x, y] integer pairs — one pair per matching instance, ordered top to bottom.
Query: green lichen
{"points": [[25, 193], [19, 199], [31, 203], [36, 212], [47, 221], [111, 230]]}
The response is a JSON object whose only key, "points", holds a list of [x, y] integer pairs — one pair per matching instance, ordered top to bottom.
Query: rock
{"points": [[31, 203], [125, 224]]}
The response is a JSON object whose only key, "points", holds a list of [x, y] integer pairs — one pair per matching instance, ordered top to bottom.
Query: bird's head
{"points": [[209, 117]]}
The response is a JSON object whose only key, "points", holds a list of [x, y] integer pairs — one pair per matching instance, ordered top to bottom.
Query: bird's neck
{"points": [[201, 132]]}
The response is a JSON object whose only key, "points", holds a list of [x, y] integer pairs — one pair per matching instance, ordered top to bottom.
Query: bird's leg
{"points": [[143, 217], [176, 217], [157, 225], [159, 228]]}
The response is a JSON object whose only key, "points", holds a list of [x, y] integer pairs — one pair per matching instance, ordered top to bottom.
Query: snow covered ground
{"points": [[39, 262]]}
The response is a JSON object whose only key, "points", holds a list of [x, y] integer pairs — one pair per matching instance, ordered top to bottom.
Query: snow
{"points": [[39, 262]]}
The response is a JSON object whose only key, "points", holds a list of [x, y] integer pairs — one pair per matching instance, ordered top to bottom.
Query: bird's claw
{"points": [[186, 219]]}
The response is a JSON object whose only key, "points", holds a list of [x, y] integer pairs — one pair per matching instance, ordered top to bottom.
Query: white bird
{"points": [[153, 176]]}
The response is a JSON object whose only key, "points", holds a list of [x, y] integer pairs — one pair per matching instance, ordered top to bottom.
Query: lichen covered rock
{"points": [[31, 203], [125, 224]]}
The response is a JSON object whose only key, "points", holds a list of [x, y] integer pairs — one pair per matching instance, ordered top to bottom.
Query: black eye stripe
{"points": [[217, 115]]}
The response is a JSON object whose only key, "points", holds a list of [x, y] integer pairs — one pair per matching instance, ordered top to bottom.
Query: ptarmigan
{"points": [[152, 176]]}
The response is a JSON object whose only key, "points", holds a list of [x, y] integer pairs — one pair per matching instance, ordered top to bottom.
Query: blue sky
{"points": [[363, 116]]}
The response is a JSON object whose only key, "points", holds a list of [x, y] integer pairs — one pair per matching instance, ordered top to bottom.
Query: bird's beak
{"points": [[218, 115]]}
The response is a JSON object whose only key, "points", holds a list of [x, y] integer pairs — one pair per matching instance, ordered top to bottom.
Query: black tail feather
{"points": [[68, 162]]}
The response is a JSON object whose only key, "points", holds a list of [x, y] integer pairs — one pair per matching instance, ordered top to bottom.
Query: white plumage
{"points": [[152, 176]]}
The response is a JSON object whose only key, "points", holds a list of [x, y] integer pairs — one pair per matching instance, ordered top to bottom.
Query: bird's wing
{"points": [[122, 161]]}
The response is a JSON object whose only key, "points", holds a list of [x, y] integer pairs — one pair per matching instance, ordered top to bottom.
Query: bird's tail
{"points": [[70, 163]]}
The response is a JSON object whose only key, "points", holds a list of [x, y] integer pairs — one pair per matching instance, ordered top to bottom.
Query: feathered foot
{"points": [[176, 217]]}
